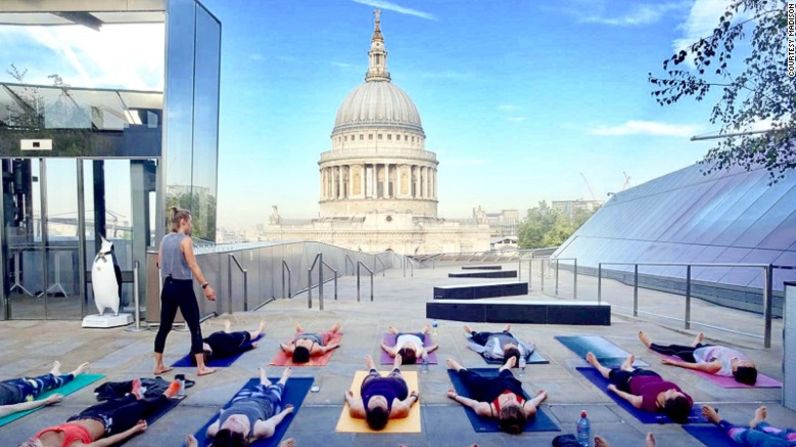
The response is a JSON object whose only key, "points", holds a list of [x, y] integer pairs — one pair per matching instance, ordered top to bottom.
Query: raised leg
{"points": [[227, 326], [260, 330], [645, 339], [698, 339], [592, 360], [627, 365], [285, 375], [264, 377]]}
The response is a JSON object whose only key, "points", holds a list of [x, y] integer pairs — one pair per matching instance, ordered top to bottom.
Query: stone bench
{"points": [[482, 267], [484, 274], [475, 291], [521, 311]]}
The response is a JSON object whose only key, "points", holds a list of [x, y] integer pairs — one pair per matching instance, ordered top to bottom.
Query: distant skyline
{"points": [[516, 98]]}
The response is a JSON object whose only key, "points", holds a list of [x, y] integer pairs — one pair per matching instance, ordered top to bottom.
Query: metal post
{"points": [[81, 237], [541, 262], [403, 265], [519, 265], [411, 270], [530, 271], [283, 277], [556, 277], [768, 277], [320, 281], [575, 281], [229, 283], [599, 283], [335, 286], [371, 286], [309, 288], [358, 288], [245, 290], [635, 290], [688, 297], [136, 300]]}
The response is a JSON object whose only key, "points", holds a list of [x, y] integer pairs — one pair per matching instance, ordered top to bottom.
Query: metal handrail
{"points": [[318, 257], [347, 260], [360, 263], [324, 264], [383, 265], [245, 272], [575, 279], [289, 280], [767, 288], [136, 300]]}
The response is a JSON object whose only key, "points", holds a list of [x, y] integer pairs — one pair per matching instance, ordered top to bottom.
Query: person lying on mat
{"points": [[223, 344], [306, 345], [409, 345], [499, 345], [712, 359], [645, 389], [20, 394], [499, 397], [383, 398], [252, 414], [106, 423], [759, 432], [191, 441], [599, 441]]}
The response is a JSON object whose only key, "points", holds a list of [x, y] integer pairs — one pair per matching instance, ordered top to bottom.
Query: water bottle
{"points": [[434, 325], [424, 364], [584, 430]]}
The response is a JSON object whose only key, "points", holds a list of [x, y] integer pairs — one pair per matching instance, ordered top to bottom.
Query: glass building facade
{"points": [[104, 159], [733, 216]]}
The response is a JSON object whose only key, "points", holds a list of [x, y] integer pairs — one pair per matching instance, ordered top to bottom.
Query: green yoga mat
{"points": [[79, 382]]}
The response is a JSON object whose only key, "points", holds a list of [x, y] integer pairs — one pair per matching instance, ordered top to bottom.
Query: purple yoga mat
{"points": [[389, 340], [763, 381]]}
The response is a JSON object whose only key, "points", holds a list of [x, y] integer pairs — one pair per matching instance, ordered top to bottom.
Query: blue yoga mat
{"points": [[609, 354], [536, 359], [188, 360], [295, 391], [154, 417], [644, 417], [542, 421], [710, 435]]}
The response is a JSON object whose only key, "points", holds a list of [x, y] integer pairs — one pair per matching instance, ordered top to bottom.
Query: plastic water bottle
{"points": [[434, 325], [424, 364], [584, 430]]}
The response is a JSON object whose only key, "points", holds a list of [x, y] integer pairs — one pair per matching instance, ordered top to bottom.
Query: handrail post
{"points": [[541, 262], [519, 265], [403, 266], [411, 270], [530, 271], [556, 276], [768, 277], [289, 280], [320, 281], [575, 281], [229, 283], [599, 283], [335, 285], [371, 286], [309, 288], [358, 288], [245, 290], [635, 290], [688, 296], [136, 299]]}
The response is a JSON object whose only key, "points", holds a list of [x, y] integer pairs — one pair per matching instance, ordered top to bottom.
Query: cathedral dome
{"points": [[377, 103]]}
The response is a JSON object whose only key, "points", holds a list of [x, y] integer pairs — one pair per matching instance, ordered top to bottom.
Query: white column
{"points": [[416, 171], [384, 182], [435, 184], [341, 189], [387, 193]]}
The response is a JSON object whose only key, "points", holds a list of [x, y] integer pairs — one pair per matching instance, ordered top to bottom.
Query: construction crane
{"points": [[586, 181], [627, 181]]}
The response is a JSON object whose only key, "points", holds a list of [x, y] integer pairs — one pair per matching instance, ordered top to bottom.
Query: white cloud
{"points": [[390, 6], [639, 14], [129, 56], [651, 128]]}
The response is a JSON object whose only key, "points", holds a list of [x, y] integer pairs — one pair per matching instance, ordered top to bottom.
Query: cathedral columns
{"points": [[416, 170], [340, 184]]}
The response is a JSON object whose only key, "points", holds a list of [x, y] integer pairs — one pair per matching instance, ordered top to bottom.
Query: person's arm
{"points": [[160, 256], [190, 259], [329, 347], [288, 348], [432, 348], [388, 349], [710, 367], [632, 398], [355, 407], [401, 408], [481, 408], [5, 410], [267, 428], [213, 429], [110, 441]]}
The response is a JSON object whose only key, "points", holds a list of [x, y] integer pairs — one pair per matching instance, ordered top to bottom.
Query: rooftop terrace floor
{"points": [[30, 346]]}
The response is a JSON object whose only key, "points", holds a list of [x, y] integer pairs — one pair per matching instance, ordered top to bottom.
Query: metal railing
{"points": [[318, 257], [230, 259], [348, 260], [404, 261], [360, 263], [324, 264], [383, 266], [286, 267], [767, 274], [574, 276], [136, 300]]}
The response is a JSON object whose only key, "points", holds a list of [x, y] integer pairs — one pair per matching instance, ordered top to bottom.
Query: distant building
{"points": [[570, 207], [504, 223], [504, 243]]}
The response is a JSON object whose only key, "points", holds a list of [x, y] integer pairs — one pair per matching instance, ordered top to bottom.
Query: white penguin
{"points": [[104, 279]]}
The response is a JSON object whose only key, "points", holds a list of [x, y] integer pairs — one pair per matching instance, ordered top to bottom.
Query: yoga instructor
{"points": [[178, 267]]}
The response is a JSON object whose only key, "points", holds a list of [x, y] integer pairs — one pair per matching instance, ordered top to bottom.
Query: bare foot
{"points": [[227, 325], [261, 327], [298, 327], [336, 327], [507, 327], [392, 329], [427, 329], [468, 329], [644, 338], [699, 338], [592, 359], [369, 362], [628, 363], [453, 364], [56, 369], [161, 369], [79, 370], [204, 371], [286, 374], [136, 389], [541, 394], [711, 414], [760, 415], [650, 440], [289, 442], [600, 442]]}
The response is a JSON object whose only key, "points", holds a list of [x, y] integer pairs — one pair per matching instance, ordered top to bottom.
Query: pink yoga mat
{"points": [[389, 340], [282, 359], [763, 381]]}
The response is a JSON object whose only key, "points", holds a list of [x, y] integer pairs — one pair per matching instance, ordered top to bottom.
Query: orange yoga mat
{"points": [[283, 359]]}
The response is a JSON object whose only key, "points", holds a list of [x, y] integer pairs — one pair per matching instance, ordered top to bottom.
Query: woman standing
{"points": [[178, 266]]}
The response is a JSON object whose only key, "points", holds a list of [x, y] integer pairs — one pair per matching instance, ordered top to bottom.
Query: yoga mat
{"points": [[389, 340], [609, 354], [282, 359], [536, 359], [189, 360], [763, 381], [78, 383], [296, 390], [154, 417], [644, 417], [542, 421], [409, 424], [710, 435]]}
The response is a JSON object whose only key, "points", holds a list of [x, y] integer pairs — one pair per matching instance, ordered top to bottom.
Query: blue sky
{"points": [[517, 98]]}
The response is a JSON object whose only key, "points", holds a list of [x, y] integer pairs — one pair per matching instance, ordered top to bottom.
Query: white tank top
{"points": [[405, 339], [721, 354]]}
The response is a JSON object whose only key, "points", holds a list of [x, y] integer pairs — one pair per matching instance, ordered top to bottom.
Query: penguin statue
{"points": [[106, 279]]}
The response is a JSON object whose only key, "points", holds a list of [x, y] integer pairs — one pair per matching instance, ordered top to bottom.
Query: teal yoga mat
{"points": [[78, 383]]}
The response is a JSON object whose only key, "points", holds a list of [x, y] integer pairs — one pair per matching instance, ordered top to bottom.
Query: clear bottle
{"points": [[434, 326], [424, 364], [584, 430]]}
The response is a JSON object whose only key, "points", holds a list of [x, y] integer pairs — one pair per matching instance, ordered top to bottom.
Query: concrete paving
{"points": [[30, 346]]}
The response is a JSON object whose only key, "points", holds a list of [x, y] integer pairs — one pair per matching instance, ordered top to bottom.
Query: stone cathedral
{"points": [[378, 183]]}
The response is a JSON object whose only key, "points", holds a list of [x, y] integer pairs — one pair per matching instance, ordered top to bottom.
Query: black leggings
{"points": [[178, 293], [684, 352], [122, 414]]}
